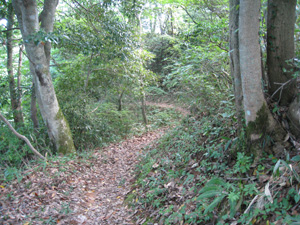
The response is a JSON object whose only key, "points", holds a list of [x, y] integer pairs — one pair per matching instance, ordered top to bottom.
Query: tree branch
{"points": [[187, 12], [47, 20], [15, 28], [21, 137]]}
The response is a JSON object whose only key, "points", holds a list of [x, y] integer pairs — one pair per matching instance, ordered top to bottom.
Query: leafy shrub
{"points": [[94, 124]]}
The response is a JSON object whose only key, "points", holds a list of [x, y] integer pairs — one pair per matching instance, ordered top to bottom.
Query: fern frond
{"points": [[216, 182], [209, 194], [214, 204]]}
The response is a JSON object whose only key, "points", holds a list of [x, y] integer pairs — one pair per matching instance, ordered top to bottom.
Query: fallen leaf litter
{"points": [[79, 191]]}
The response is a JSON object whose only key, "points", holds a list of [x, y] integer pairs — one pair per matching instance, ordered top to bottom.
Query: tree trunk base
{"points": [[294, 117], [265, 134]]}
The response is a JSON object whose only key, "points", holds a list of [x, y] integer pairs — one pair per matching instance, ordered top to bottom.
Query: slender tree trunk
{"points": [[171, 22], [153, 23], [161, 26], [280, 48], [39, 57], [235, 58], [86, 82], [142, 88], [19, 89], [14, 95], [120, 101], [33, 109], [144, 109]]}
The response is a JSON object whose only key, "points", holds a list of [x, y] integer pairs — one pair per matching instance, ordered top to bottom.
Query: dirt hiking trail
{"points": [[85, 190], [82, 191]]}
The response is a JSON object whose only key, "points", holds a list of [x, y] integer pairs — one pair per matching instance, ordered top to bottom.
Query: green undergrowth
{"points": [[160, 117], [14, 152], [198, 173]]}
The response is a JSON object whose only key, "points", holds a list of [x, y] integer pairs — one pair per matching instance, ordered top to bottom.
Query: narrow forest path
{"points": [[85, 190]]}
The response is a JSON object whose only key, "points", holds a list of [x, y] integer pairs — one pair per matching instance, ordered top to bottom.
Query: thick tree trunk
{"points": [[280, 47], [39, 57], [235, 57], [250, 59], [14, 96], [259, 120]]}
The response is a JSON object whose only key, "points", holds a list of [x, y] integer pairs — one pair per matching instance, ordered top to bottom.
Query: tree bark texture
{"points": [[280, 47], [39, 57], [235, 57], [250, 58], [14, 94]]}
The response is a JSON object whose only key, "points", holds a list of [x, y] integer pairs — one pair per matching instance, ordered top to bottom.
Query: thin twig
{"points": [[281, 87]]}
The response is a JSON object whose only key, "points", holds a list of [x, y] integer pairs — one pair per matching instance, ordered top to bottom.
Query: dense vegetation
{"points": [[112, 60]]}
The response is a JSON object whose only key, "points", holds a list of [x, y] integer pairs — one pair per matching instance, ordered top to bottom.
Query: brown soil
{"points": [[80, 191]]}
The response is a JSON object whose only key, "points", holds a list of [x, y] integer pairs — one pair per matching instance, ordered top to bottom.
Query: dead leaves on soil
{"points": [[78, 191]]}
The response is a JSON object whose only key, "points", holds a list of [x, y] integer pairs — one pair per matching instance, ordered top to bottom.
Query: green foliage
{"points": [[102, 31], [41, 37], [165, 48], [194, 73], [159, 117], [94, 124], [195, 147], [14, 153], [243, 163], [11, 173], [189, 177], [218, 189]]}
